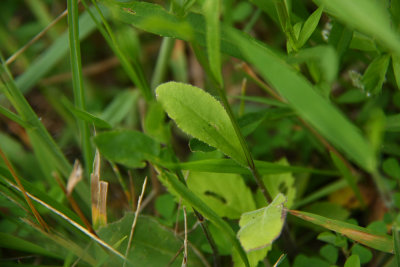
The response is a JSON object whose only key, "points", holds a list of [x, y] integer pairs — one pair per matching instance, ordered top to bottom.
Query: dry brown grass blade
{"points": [[22, 189], [69, 220], [135, 220]]}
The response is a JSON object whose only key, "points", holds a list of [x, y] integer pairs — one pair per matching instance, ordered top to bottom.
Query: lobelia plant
{"points": [[268, 132]]}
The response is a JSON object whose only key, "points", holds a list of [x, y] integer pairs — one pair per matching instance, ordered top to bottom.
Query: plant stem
{"points": [[77, 80]]}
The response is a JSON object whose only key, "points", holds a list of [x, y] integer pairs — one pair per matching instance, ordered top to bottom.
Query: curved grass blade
{"points": [[362, 235]]}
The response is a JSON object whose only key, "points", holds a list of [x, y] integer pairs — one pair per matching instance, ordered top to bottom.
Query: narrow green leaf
{"points": [[211, 13], [367, 16], [309, 27], [340, 38], [396, 69], [375, 74], [120, 106], [322, 115], [202, 116], [89, 118], [393, 123], [130, 148], [230, 166], [350, 178], [226, 194], [208, 213], [259, 228], [362, 235], [15, 243], [353, 261]]}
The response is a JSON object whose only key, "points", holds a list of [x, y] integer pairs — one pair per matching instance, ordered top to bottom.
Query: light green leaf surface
{"points": [[211, 10], [367, 16], [309, 27], [396, 69], [322, 115], [202, 116], [89, 118], [130, 148], [281, 183], [226, 194], [188, 196], [259, 228], [362, 235], [254, 257], [353, 261]]}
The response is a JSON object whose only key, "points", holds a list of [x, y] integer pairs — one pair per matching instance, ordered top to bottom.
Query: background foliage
{"points": [[267, 130]]}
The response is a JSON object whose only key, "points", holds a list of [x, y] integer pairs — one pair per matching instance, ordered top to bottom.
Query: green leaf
{"points": [[211, 13], [367, 16], [309, 27], [340, 38], [396, 69], [374, 76], [121, 105], [322, 115], [202, 116], [89, 118], [154, 123], [393, 123], [196, 145], [130, 148], [230, 166], [391, 167], [350, 178], [281, 183], [226, 194], [188, 196], [259, 228], [362, 235], [396, 241], [152, 245], [330, 253], [363, 253], [254, 257], [304, 261], [352, 261]]}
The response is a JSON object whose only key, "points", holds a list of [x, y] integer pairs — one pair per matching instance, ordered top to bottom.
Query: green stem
{"points": [[162, 61], [77, 80]]}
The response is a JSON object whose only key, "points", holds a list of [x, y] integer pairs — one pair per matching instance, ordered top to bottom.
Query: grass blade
{"points": [[211, 10], [77, 81], [322, 115], [362, 235]]}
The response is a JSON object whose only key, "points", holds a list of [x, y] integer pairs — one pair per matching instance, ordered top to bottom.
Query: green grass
{"points": [[273, 124]]}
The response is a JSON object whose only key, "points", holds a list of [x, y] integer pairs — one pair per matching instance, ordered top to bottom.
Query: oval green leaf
{"points": [[201, 116], [130, 148], [259, 228]]}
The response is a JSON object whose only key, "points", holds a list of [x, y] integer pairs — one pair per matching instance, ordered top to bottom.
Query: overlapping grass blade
{"points": [[322, 115], [362, 235]]}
